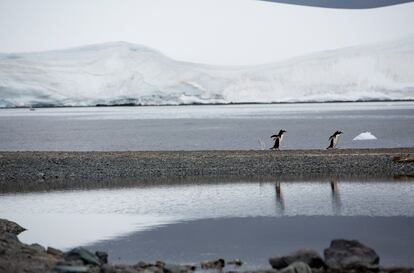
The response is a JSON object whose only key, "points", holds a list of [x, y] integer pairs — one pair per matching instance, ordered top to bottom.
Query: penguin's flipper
{"points": [[274, 136]]}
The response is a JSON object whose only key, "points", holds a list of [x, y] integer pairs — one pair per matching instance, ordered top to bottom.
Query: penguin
{"points": [[278, 139], [334, 140]]}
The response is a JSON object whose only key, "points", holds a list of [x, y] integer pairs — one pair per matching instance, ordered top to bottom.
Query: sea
{"points": [[206, 127]]}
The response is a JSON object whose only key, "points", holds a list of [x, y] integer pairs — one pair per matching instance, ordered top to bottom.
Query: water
{"points": [[206, 127], [194, 222]]}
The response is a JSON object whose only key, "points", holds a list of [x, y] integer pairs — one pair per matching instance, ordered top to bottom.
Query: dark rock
{"points": [[7, 226], [10, 236], [40, 248], [54, 252], [82, 254], [346, 254], [102, 256], [18, 257], [309, 257], [235, 262], [70, 263], [142, 264], [160, 264], [215, 264], [144, 267], [296, 267], [107, 268], [171, 268], [71, 269], [127, 269], [397, 270], [256, 271]]}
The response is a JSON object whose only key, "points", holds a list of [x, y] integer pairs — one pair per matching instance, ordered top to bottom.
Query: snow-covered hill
{"points": [[119, 73]]}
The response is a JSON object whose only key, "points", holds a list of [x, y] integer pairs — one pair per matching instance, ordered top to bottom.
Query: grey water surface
{"points": [[206, 127], [194, 222]]}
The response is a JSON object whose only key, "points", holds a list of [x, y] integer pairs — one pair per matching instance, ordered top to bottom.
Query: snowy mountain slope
{"points": [[117, 73]]}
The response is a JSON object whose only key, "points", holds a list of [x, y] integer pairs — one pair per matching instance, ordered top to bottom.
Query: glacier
{"points": [[121, 73]]}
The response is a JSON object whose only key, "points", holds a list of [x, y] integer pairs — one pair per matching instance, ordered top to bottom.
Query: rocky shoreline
{"points": [[25, 171], [340, 256]]}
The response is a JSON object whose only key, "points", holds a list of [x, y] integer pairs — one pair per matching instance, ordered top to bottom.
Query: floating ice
{"points": [[365, 136]]}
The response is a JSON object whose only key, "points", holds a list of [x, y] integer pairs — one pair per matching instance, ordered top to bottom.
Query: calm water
{"points": [[206, 127], [194, 222]]}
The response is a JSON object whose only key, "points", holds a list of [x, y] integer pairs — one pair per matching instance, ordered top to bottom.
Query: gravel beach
{"points": [[25, 171]]}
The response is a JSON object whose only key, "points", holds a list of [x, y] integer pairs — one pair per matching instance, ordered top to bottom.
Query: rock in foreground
{"points": [[7, 226], [351, 255], [342, 256], [18, 257], [309, 257]]}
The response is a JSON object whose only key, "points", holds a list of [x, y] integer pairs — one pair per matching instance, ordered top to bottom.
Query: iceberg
{"points": [[122, 73], [365, 136]]}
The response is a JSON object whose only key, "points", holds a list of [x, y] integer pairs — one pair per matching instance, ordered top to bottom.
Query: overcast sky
{"points": [[229, 32]]}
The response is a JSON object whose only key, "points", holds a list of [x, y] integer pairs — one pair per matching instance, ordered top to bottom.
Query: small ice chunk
{"points": [[365, 136]]}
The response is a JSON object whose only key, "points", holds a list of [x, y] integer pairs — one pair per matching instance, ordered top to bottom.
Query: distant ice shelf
{"points": [[121, 73]]}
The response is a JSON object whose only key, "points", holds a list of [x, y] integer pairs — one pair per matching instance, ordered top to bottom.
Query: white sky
{"points": [[230, 32]]}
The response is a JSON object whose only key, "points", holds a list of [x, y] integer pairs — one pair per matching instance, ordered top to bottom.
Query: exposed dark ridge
{"points": [[341, 4]]}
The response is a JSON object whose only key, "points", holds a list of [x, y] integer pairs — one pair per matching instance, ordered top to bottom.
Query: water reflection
{"points": [[336, 198], [280, 203], [141, 208]]}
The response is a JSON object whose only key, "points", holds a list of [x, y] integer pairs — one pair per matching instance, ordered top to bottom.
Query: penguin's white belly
{"points": [[280, 139], [335, 140]]}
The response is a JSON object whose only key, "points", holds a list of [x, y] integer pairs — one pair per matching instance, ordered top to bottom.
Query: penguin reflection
{"points": [[336, 198], [280, 202]]}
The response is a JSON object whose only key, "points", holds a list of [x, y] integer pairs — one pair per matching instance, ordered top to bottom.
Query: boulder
{"points": [[7, 226], [54, 252], [82, 254], [346, 254], [102, 256], [18, 257], [309, 257], [235, 262], [214, 264], [144, 267], [296, 267], [107, 268], [172, 268], [71, 269], [255, 271]]}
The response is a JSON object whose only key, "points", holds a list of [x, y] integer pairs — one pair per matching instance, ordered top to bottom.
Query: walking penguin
{"points": [[278, 140], [334, 140]]}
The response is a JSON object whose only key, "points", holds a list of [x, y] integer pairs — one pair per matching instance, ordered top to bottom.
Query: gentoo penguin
{"points": [[278, 140], [334, 140]]}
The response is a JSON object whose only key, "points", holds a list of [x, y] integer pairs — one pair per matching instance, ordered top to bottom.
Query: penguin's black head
{"points": [[282, 132], [338, 132]]}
